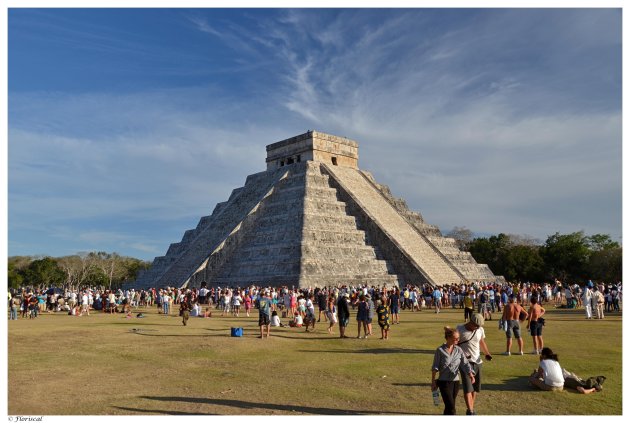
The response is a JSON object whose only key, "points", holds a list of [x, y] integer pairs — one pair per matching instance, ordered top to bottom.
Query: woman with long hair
{"points": [[448, 360], [548, 376]]}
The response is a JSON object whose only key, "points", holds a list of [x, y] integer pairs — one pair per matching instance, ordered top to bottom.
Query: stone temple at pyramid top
{"points": [[313, 146]]}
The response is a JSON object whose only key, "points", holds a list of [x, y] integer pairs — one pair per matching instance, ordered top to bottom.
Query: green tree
{"points": [[601, 242], [492, 251], [567, 256], [523, 263], [44, 272], [14, 276], [96, 277]]}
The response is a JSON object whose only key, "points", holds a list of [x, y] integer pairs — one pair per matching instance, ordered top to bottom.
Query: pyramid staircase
{"points": [[298, 234]]}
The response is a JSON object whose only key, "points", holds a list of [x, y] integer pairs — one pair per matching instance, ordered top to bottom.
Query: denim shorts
{"points": [[513, 326]]}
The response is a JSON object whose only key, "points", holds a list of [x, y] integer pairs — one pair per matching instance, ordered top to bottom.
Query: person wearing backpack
{"points": [[473, 341]]}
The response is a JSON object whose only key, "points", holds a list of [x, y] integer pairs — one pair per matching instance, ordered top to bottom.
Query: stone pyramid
{"points": [[313, 218]]}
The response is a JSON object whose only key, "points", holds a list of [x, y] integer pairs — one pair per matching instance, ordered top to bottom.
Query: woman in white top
{"points": [[236, 303], [275, 319], [548, 377]]}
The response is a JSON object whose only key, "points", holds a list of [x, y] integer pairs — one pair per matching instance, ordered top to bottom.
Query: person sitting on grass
{"points": [[275, 319], [297, 321], [548, 376]]}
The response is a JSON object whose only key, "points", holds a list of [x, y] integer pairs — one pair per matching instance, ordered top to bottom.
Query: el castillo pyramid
{"points": [[313, 218]]}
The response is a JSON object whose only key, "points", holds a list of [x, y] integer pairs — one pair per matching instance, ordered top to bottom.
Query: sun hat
{"points": [[477, 319]]}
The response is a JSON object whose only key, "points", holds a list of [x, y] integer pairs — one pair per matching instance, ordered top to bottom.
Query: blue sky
{"points": [[128, 125]]}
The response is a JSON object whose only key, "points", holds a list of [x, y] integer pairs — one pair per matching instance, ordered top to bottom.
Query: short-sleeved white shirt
{"points": [[471, 347], [552, 373]]}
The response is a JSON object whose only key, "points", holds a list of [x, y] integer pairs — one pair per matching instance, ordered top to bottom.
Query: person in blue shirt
{"points": [[504, 298], [437, 299], [264, 314]]}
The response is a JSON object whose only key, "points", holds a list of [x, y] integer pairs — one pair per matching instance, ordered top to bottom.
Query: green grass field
{"points": [[107, 364]]}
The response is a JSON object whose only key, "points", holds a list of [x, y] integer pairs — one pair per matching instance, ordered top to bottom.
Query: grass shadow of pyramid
{"points": [[313, 218]]}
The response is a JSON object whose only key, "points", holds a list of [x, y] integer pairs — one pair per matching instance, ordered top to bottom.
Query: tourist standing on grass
{"points": [[616, 292], [111, 297], [491, 298], [587, 298], [437, 299], [166, 303], [236, 303], [248, 303], [321, 303], [598, 303], [85, 304], [469, 304], [15, 306], [393, 306], [184, 311], [310, 312], [330, 312], [343, 313], [264, 314], [362, 314], [511, 314], [370, 315], [383, 318], [534, 325], [472, 341], [449, 360], [548, 376]]}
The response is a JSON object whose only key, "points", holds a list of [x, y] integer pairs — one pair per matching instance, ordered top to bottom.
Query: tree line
{"points": [[568, 257], [573, 257], [107, 270]]}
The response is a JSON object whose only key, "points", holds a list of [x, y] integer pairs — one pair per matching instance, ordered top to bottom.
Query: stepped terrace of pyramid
{"points": [[313, 218]]}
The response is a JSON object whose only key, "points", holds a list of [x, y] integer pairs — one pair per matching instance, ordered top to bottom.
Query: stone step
{"points": [[237, 208], [397, 228], [329, 280]]}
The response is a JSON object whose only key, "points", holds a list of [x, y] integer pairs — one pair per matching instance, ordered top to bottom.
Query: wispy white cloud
{"points": [[202, 25], [504, 122]]}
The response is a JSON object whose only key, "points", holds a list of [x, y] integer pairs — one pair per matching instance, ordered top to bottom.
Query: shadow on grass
{"points": [[176, 335], [306, 337], [377, 351], [412, 384], [515, 384], [246, 405], [165, 412]]}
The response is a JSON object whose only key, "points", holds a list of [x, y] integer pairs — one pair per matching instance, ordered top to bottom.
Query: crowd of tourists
{"points": [[486, 299], [457, 361]]}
